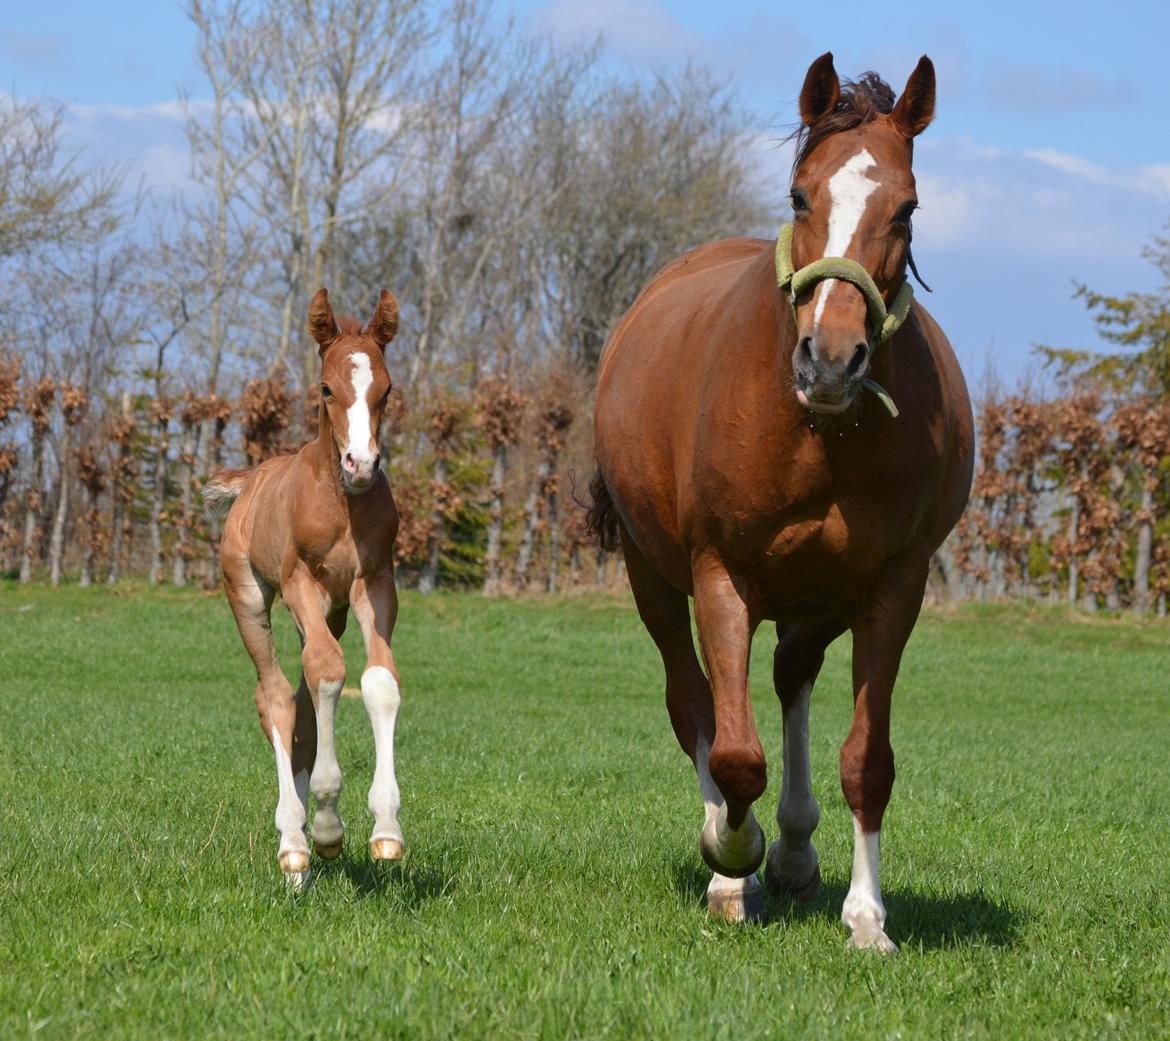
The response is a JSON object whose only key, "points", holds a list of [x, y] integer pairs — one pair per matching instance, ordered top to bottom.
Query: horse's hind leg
{"points": [[664, 612], [285, 724], [793, 867]]}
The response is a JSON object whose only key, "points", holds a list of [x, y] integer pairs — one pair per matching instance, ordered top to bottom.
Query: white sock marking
{"points": [[849, 188], [382, 699], [326, 783], [290, 806], [798, 813], [863, 911]]}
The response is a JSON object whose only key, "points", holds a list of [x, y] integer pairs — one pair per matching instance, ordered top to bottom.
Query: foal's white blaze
{"points": [[849, 189], [360, 438], [382, 699], [290, 804], [863, 911]]}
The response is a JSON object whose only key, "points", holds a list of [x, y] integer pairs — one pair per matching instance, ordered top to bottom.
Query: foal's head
{"points": [[853, 195], [354, 384]]}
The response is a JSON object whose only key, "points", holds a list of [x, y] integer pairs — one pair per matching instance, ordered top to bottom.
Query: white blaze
{"points": [[849, 188], [358, 414]]}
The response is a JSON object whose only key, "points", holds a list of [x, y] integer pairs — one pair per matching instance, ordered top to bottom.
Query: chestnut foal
{"points": [[318, 526]]}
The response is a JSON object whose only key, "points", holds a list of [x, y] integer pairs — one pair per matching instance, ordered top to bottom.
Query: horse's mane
{"points": [[860, 101]]}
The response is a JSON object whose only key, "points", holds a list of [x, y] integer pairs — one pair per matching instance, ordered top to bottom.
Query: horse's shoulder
{"points": [[704, 258]]}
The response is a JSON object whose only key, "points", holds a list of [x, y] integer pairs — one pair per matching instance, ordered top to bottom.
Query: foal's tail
{"points": [[222, 489], [601, 516]]}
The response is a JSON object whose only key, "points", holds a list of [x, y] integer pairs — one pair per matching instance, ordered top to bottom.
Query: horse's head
{"points": [[852, 196], [354, 384]]}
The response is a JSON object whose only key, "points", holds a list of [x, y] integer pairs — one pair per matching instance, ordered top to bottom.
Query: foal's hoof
{"points": [[386, 849], [327, 850], [739, 855], [295, 865], [791, 876], [736, 900], [871, 940]]}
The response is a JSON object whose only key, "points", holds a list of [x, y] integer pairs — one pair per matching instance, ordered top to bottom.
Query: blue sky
{"points": [[1048, 161]]}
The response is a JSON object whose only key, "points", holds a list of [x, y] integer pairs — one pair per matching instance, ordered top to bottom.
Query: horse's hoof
{"points": [[386, 849], [327, 850], [748, 851], [294, 861], [782, 883], [736, 901], [872, 939]]}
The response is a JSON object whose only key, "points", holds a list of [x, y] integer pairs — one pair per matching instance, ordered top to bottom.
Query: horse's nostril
{"points": [[806, 348], [858, 359], [349, 460]]}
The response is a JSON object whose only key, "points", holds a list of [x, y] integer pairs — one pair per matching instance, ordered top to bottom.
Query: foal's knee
{"points": [[324, 664], [380, 691], [741, 772]]}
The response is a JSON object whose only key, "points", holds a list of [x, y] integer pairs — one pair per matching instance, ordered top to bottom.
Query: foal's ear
{"points": [[818, 96], [915, 108], [322, 324], [384, 324]]}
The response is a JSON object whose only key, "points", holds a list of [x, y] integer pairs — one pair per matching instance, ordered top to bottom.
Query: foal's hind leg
{"points": [[663, 610], [286, 723], [792, 860]]}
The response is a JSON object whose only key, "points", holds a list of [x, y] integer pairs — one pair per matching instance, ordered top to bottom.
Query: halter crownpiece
{"points": [[883, 322]]}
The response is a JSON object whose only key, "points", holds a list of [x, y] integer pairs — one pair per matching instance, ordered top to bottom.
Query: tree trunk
{"points": [[215, 458], [158, 500], [32, 516], [186, 521], [531, 523], [1073, 525], [554, 529], [495, 533], [57, 542], [1145, 546], [89, 556]]}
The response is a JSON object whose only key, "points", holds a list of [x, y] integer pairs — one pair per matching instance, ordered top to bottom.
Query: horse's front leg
{"points": [[375, 606], [322, 678], [867, 760], [733, 772]]}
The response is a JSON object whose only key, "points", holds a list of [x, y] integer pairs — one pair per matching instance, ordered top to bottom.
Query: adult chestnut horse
{"points": [[741, 461], [318, 527]]}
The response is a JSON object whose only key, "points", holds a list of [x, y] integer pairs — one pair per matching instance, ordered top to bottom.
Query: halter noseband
{"points": [[883, 322]]}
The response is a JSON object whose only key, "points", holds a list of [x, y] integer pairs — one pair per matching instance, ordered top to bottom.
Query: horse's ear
{"points": [[822, 88], [915, 108], [322, 324], [384, 324]]}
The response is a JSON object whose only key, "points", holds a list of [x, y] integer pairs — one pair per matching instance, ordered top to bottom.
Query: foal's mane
{"points": [[860, 101], [347, 325]]}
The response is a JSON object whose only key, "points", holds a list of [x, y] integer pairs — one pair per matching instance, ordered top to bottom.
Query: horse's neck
{"points": [[328, 465]]}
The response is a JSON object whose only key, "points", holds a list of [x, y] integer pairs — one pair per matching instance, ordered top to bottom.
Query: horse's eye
{"points": [[798, 200], [905, 212], [325, 391]]}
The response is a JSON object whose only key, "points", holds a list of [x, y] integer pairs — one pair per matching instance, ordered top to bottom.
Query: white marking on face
{"points": [[849, 189], [358, 414]]}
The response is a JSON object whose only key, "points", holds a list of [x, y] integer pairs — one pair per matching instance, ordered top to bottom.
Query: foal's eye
{"points": [[798, 200], [905, 212], [325, 391]]}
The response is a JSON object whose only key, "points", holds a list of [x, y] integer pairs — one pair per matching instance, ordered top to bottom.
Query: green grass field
{"points": [[552, 886]]}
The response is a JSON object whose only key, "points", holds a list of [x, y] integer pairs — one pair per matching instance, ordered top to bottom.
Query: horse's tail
{"points": [[222, 489], [601, 516]]}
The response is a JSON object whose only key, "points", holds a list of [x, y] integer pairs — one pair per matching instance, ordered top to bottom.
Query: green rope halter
{"points": [[883, 322]]}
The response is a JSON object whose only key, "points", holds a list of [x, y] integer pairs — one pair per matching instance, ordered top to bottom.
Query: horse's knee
{"points": [[741, 772], [867, 778]]}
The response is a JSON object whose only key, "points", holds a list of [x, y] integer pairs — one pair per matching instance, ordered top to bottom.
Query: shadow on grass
{"points": [[407, 883], [926, 920]]}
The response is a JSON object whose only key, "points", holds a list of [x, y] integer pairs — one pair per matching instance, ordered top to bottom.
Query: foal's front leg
{"points": [[375, 606], [323, 676], [867, 760]]}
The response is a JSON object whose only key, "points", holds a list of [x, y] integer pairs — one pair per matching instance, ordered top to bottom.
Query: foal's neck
{"points": [[327, 462]]}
